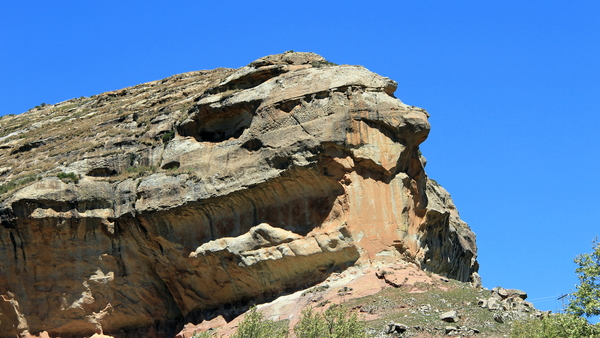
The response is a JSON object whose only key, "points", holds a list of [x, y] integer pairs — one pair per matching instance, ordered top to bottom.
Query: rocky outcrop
{"points": [[187, 198], [509, 304]]}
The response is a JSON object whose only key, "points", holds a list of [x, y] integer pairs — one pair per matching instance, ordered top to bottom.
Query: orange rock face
{"points": [[224, 187]]}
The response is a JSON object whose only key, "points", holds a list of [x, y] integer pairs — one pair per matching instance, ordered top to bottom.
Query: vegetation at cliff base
{"points": [[584, 301], [335, 322], [560, 325], [255, 326]]}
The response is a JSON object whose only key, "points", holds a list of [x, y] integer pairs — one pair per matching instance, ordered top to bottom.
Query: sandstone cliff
{"points": [[134, 211]]}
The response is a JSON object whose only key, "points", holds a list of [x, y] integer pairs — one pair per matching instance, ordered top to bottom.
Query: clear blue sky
{"points": [[513, 89]]}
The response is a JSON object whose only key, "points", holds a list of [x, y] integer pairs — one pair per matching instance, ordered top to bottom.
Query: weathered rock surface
{"points": [[132, 212]]}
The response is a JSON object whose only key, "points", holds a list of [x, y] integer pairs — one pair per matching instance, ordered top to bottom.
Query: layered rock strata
{"points": [[133, 211]]}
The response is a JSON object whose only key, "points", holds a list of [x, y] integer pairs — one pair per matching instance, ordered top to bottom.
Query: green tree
{"points": [[586, 299], [333, 323], [311, 325], [560, 325], [255, 326], [205, 334]]}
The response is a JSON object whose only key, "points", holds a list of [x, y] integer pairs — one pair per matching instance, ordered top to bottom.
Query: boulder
{"points": [[517, 293], [494, 304], [450, 316], [499, 318], [396, 328]]}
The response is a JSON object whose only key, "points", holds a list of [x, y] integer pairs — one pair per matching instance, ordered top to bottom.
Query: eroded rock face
{"points": [[191, 196]]}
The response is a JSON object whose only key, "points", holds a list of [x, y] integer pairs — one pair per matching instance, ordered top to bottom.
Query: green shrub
{"points": [[319, 64], [168, 136], [141, 170], [68, 177], [18, 182], [315, 289], [333, 323], [254, 326], [555, 326], [205, 334]]}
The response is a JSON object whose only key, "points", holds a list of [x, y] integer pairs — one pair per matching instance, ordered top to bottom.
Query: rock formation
{"points": [[131, 212]]}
